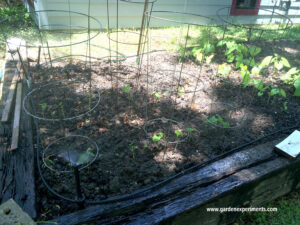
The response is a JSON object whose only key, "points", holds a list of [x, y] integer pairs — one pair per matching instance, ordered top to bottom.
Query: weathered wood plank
{"points": [[2, 80], [10, 97], [17, 115], [17, 178], [203, 180]]}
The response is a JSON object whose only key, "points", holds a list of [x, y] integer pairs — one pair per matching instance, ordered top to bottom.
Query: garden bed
{"points": [[133, 111]]}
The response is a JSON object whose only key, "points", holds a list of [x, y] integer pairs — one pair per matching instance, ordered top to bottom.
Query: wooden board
{"points": [[2, 81], [9, 101], [17, 115], [257, 165], [17, 178]]}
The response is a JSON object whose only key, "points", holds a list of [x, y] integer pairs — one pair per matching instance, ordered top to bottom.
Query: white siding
{"points": [[130, 14]]}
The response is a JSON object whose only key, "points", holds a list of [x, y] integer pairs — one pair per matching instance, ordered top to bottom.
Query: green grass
{"points": [[288, 212]]}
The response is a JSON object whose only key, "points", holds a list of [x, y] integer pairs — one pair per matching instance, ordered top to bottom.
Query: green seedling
{"points": [[245, 74], [259, 85], [126, 89], [180, 91], [277, 91], [159, 94], [61, 106], [43, 107], [285, 107], [217, 119], [191, 130], [178, 133], [157, 137], [133, 147], [90, 152], [50, 162]]}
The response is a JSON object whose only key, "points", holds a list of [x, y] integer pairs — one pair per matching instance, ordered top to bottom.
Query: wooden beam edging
{"points": [[10, 96], [17, 116], [17, 170], [202, 181]]}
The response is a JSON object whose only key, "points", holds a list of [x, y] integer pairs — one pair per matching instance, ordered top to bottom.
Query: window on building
{"points": [[244, 7]]}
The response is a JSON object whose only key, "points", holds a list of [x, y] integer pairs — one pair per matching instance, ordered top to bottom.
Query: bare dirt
{"points": [[129, 158]]}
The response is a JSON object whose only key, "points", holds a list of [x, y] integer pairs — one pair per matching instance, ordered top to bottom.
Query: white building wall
{"points": [[130, 14]]}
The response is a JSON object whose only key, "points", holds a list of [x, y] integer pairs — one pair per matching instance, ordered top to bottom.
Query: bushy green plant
{"points": [[239, 53]]}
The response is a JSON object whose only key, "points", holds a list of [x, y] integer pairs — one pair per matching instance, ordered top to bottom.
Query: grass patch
{"points": [[288, 212]]}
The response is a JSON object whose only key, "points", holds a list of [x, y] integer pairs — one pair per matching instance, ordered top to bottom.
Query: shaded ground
{"points": [[128, 157]]}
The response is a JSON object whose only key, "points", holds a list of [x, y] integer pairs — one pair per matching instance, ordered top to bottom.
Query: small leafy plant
{"points": [[224, 69], [126, 89], [159, 94], [43, 107], [61, 107], [218, 120], [191, 130], [178, 133], [157, 137], [133, 147]]}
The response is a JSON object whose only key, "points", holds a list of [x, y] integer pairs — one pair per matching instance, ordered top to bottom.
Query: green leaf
{"points": [[208, 48], [254, 51], [230, 58], [208, 59], [266, 61], [285, 62], [278, 65], [224, 69], [256, 70], [292, 71], [246, 78], [297, 86], [126, 89], [274, 91], [260, 93], [282, 93], [157, 94], [285, 106], [212, 119], [190, 130], [178, 133], [156, 138]]}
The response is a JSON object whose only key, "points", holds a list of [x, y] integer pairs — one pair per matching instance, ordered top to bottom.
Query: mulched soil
{"points": [[128, 158]]}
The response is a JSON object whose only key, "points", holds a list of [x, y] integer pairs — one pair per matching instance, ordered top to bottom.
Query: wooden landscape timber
{"points": [[10, 97], [17, 115], [250, 177], [17, 180]]}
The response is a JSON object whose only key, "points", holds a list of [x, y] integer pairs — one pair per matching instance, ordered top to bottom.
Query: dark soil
{"points": [[128, 157]]}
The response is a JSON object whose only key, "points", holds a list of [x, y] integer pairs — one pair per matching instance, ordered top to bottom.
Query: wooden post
{"points": [[16, 124]]}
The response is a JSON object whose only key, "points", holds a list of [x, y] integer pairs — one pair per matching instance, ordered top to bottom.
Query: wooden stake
{"points": [[39, 56], [10, 97], [16, 124]]}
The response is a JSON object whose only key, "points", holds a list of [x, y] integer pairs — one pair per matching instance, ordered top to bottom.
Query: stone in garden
{"points": [[11, 213]]}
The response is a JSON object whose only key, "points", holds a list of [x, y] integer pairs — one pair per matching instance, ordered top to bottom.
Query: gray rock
{"points": [[11, 213]]}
